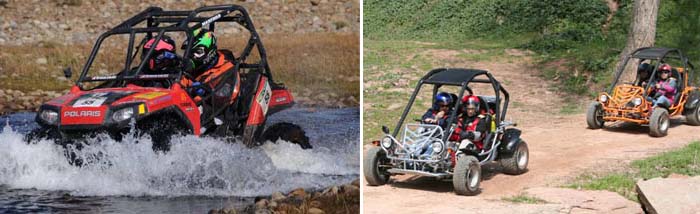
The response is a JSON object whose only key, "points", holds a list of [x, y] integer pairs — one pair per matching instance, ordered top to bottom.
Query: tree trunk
{"points": [[642, 32]]}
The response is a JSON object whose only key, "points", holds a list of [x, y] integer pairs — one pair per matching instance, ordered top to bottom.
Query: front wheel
{"points": [[594, 116], [659, 123], [288, 132], [516, 163], [375, 172], [467, 175]]}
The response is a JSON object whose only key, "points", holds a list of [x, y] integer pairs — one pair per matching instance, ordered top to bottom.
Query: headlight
{"points": [[603, 98], [637, 101], [123, 114], [49, 116], [386, 142], [437, 147]]}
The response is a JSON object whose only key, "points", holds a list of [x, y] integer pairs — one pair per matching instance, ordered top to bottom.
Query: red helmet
{"points": [[163, 55], [665, 67], [471, 101]]}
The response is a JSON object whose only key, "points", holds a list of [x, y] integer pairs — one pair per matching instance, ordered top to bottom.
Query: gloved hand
{"points": [[199, 89], [469, 135]]}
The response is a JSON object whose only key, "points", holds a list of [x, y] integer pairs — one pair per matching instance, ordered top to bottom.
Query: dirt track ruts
{"points": [[561, 148]]}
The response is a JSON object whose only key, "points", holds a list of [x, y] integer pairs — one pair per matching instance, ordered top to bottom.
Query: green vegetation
{"points": [[576, 32], [685, 161], [524, 199]]}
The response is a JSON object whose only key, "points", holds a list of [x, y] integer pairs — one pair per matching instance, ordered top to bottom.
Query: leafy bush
{"points": [[408, 19], [570, 29]]}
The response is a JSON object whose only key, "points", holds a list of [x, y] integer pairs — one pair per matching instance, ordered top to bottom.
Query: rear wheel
{"points": [[594, 116], [692, 116], [659, 123], [287, 132], [516, 163], [374, 167], [467, 175]]}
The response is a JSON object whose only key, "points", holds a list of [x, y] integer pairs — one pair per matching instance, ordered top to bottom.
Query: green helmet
{"points": [[204, 47]]}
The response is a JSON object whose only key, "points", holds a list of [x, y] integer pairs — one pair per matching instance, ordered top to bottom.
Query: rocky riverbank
{"points": [[78, 21], [335, 199]]}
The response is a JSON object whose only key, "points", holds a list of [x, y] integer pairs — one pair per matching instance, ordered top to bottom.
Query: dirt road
{"points": [[561, 148]]}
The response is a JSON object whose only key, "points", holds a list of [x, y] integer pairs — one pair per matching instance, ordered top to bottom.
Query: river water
{"points": [[195, 176]]}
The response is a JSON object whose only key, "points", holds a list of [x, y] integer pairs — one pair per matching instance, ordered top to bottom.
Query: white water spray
{"points": [[193, 166]]}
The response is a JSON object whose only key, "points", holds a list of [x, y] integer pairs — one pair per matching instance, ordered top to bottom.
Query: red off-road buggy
{"points": [[237, 106]]}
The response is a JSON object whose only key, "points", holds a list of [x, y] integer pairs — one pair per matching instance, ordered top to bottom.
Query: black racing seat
{"points": [[228, 55], [488, 101]]}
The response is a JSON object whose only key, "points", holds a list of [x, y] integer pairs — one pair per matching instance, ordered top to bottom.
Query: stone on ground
{"points": [[670, 195], [585, 201]]}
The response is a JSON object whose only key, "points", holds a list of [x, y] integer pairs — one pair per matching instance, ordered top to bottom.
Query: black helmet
{"points": [[203, 48]]}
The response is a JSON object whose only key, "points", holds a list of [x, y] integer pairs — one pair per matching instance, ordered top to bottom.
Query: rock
{"points": [[314, 2], [64, 26], [42, 61], [14, 93], [36, 93], [352, 101], [27, 105], [14, 106], [356, 182], [349, 188], [331, 191], [298, 193], [317, 195], [670, 195], [277, 196], [590, 201], [261, 204], [272, 204], [316, 204], [263, 211], [315, 211]]}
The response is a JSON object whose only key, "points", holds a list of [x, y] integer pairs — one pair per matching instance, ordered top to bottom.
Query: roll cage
{"points": [[159, 21], [658, 54], [462, 78]]}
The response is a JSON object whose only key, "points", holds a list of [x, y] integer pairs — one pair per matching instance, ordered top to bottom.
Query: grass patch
{"points": [[330, 63], [570, 106], [685, 161], [524, 199]]}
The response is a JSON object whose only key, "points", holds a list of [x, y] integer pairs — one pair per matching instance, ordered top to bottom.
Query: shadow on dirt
{"points": [[636, 129], [416, 182]]}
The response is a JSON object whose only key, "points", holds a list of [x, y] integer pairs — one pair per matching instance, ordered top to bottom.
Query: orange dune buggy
{"points": [[630, 102]]}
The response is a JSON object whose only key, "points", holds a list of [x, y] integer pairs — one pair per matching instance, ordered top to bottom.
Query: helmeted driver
{"points": [[163, 60], [208, 63], [208, 66], [663, 88], [440, 111], [472, 125]]}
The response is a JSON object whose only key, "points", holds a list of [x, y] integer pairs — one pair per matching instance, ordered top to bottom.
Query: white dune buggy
{"points": [[425, 149]]}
